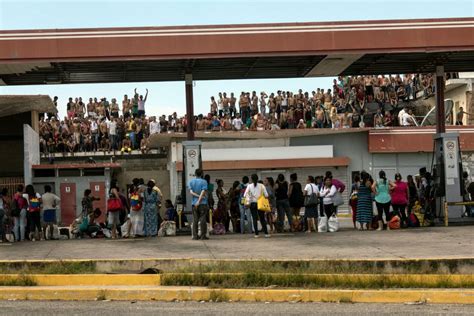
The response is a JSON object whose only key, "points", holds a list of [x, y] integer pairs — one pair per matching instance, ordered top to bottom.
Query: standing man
{"points": [[141, 104], [198, 189], [50, 202]]}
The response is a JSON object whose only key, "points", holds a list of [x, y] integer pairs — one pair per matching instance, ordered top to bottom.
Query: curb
{"points": [[87, 279], [421, 280], [169, 294]]}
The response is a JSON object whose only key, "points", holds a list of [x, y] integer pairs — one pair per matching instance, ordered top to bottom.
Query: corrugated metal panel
{"points": [[6, 69]]}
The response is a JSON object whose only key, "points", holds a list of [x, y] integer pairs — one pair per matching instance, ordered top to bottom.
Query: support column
{"points": [[189, 105], [440, 111]]}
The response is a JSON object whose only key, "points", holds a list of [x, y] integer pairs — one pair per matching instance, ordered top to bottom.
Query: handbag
{"points": [[312, 199], [337, 199], [263, 204], [114, 205]]}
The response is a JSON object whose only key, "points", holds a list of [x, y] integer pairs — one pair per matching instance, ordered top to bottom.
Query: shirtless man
{"points": [[278, 99], [327, 99], [232, 101], [291, 101], [263, 102], [225, 104], [254, 104], [272, 104], [243, 105], [126, 106], [213, 106], [70, 107], [80, 108], [114, 108], [91, 109], [319, 113], [284, 119], [200, 123], [76, 129], [103, 129]]}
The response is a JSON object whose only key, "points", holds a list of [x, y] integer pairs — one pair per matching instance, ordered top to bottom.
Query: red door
{"points": [[98, 190], [68, 203]]}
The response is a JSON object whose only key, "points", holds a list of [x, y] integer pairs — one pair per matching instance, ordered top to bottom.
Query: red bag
{"points": [[114, 205], [394, 223]]}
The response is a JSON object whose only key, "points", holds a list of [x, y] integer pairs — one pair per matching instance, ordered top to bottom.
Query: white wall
{"points": [[31, 152]]}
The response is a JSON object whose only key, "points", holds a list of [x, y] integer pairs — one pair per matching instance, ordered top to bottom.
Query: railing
{"points": [[11, 184], [446, 208]]}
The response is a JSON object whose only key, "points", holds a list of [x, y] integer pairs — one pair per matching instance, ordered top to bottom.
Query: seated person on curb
{"points": [[126, 145], [89, 225]]}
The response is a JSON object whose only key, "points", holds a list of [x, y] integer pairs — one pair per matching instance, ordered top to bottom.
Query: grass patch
{"points": [[60, 267], [330, 267], [22, 280], [310, 281], [101, 296], [218, 296]]}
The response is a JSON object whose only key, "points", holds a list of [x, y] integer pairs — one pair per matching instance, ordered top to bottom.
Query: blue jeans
{"points": [[132, 139], [245, 211], [19, 227]]}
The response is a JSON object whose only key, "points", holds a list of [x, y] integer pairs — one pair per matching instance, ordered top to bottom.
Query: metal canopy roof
{"points": [[213, 52], [166, 70]]}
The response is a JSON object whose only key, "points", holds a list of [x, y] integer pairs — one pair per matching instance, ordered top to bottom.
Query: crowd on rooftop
{"points": [[353, 102]]}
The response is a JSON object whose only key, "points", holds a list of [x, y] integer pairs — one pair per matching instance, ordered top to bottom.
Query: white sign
{"points": [[451, 159], [97, 188], [68, 189]]}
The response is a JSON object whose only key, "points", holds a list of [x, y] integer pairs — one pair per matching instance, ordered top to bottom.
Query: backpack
{"points": [[312, 199], [135, 202], [34, 204], [14, 208], [413, 221]]}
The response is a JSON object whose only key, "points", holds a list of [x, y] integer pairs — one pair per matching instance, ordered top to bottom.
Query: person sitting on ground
{"points": [[126, 145], [144, 145], [87, 202]]}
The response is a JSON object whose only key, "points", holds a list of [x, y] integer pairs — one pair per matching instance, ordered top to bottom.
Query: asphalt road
{"points": [[194, 308]]}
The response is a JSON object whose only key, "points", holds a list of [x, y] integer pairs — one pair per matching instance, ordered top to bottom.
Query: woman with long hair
{"points": [[382, 188], [327, 192], [295, 193], [412, 193], [252, 194], [399, 196], [353, 199], [364, 201], [234, 202], [282, 203], [136, 209], [150, 209], [311, 209], [34, 212], [220, 214], [270, 216]]}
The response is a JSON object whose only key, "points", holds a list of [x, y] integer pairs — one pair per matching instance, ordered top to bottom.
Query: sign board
{"points": [[192, 161], [451, 163], [97, 188], [68, 189]]}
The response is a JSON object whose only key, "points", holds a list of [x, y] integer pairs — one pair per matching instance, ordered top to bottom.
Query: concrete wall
{"points": [[31, 151], [146, 168]]}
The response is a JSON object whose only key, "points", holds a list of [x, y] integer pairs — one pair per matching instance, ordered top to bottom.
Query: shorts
{"points": [[141, 113], [310, 212], [49, 216], [114, 218]]}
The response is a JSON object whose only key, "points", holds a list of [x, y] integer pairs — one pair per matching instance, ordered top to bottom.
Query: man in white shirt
{"points": [[400, 115], [408, 119], [237, 123], [155, 127], [113, 133], [49, 203]]}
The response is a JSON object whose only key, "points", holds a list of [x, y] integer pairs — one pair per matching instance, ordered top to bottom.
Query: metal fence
{"points": [[11, 184]]}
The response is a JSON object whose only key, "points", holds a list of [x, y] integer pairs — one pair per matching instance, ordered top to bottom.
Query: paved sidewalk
{"points": [[433, 242]]}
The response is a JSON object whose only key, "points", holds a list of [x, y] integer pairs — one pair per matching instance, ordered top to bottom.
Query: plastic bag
{"points": [[322, 224], [333, 224]]}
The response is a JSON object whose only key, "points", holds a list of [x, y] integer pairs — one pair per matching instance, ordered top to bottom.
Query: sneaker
{"points": [[256, 236], [267, 236]]}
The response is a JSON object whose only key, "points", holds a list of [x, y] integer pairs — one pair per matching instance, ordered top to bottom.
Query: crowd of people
{"points": [[106, 126], [376, 204], [251, 206]]}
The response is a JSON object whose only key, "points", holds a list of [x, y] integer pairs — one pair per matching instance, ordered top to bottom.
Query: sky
{"points": [[168, 97]]}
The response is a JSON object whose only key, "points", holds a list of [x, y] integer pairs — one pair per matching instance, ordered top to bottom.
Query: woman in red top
{"points": [[399, 195]]}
